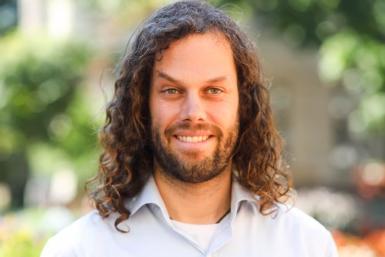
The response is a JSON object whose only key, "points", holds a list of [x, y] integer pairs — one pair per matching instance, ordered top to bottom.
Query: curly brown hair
{"points": [[127, 158]]}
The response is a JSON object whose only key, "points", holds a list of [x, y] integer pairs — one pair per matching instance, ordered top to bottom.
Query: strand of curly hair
{"points": [[127, 159]]}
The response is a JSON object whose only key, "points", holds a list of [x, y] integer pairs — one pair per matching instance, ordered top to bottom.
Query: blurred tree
{"points": [[350, 35], [39, 81]]}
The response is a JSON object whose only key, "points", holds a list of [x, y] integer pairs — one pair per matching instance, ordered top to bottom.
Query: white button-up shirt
{"points": [[243, 233]]}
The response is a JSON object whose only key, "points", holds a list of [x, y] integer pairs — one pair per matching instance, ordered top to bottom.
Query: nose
{"points": [[193, 108]]}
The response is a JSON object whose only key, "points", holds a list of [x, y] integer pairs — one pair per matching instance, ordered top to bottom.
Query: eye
{"points": [[214, 90], [170, 91]]}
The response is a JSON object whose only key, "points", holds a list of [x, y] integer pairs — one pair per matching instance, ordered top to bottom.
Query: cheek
{"points": [[162, 115], [226, 115], [156, 116]]}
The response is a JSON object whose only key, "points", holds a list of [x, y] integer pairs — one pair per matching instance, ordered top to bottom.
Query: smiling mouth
{"points": [[192, 139]]}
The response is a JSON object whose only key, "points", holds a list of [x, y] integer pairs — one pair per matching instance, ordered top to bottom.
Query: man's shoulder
{"points": [[293, 218], [86, 223], [304, 229], [291, 231], [69, 241]]}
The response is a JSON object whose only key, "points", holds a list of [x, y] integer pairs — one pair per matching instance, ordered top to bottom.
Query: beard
{"points": [[187, 168]]}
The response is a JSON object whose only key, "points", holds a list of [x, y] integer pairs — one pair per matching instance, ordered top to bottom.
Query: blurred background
{"points": [[324, 61]]}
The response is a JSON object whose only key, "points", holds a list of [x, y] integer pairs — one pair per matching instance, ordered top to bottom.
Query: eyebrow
{"points": [[178, 82]]}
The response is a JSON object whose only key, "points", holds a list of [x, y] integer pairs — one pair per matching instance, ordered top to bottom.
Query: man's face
{"points": [[194, 107]]}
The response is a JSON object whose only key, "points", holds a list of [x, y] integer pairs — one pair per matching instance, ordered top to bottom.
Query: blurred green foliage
{"points": [[357, 63], [38, 79], [41, 103], [24, 233], [21, 244]]}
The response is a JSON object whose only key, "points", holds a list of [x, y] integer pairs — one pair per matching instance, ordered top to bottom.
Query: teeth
{"points": [[194, 139]]}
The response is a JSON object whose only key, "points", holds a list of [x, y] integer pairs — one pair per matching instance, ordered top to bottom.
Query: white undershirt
{"points": [[200, 233]]}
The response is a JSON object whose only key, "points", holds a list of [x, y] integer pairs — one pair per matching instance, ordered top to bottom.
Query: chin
{"points": [[193, 156]]}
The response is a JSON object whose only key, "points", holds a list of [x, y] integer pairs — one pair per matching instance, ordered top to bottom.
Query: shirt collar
{"points": [[239, 194], [150, 195]]}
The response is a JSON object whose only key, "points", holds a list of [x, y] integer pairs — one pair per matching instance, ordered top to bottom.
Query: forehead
{"points": [[197, 56]]}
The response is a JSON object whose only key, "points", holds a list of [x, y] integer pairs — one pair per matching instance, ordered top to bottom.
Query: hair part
{"points": [[127, 158]]}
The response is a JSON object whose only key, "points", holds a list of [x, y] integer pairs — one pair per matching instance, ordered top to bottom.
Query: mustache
{"points": [[187, 125]]}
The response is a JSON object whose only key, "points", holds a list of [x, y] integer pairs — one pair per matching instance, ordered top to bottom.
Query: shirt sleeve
{"points": [[53, 248], [332, 248]]}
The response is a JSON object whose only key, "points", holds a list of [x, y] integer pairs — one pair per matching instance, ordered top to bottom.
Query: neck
{"points": [[200, 203]]}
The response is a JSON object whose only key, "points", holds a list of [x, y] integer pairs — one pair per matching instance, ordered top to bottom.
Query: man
{"points": [[191, 163]]}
